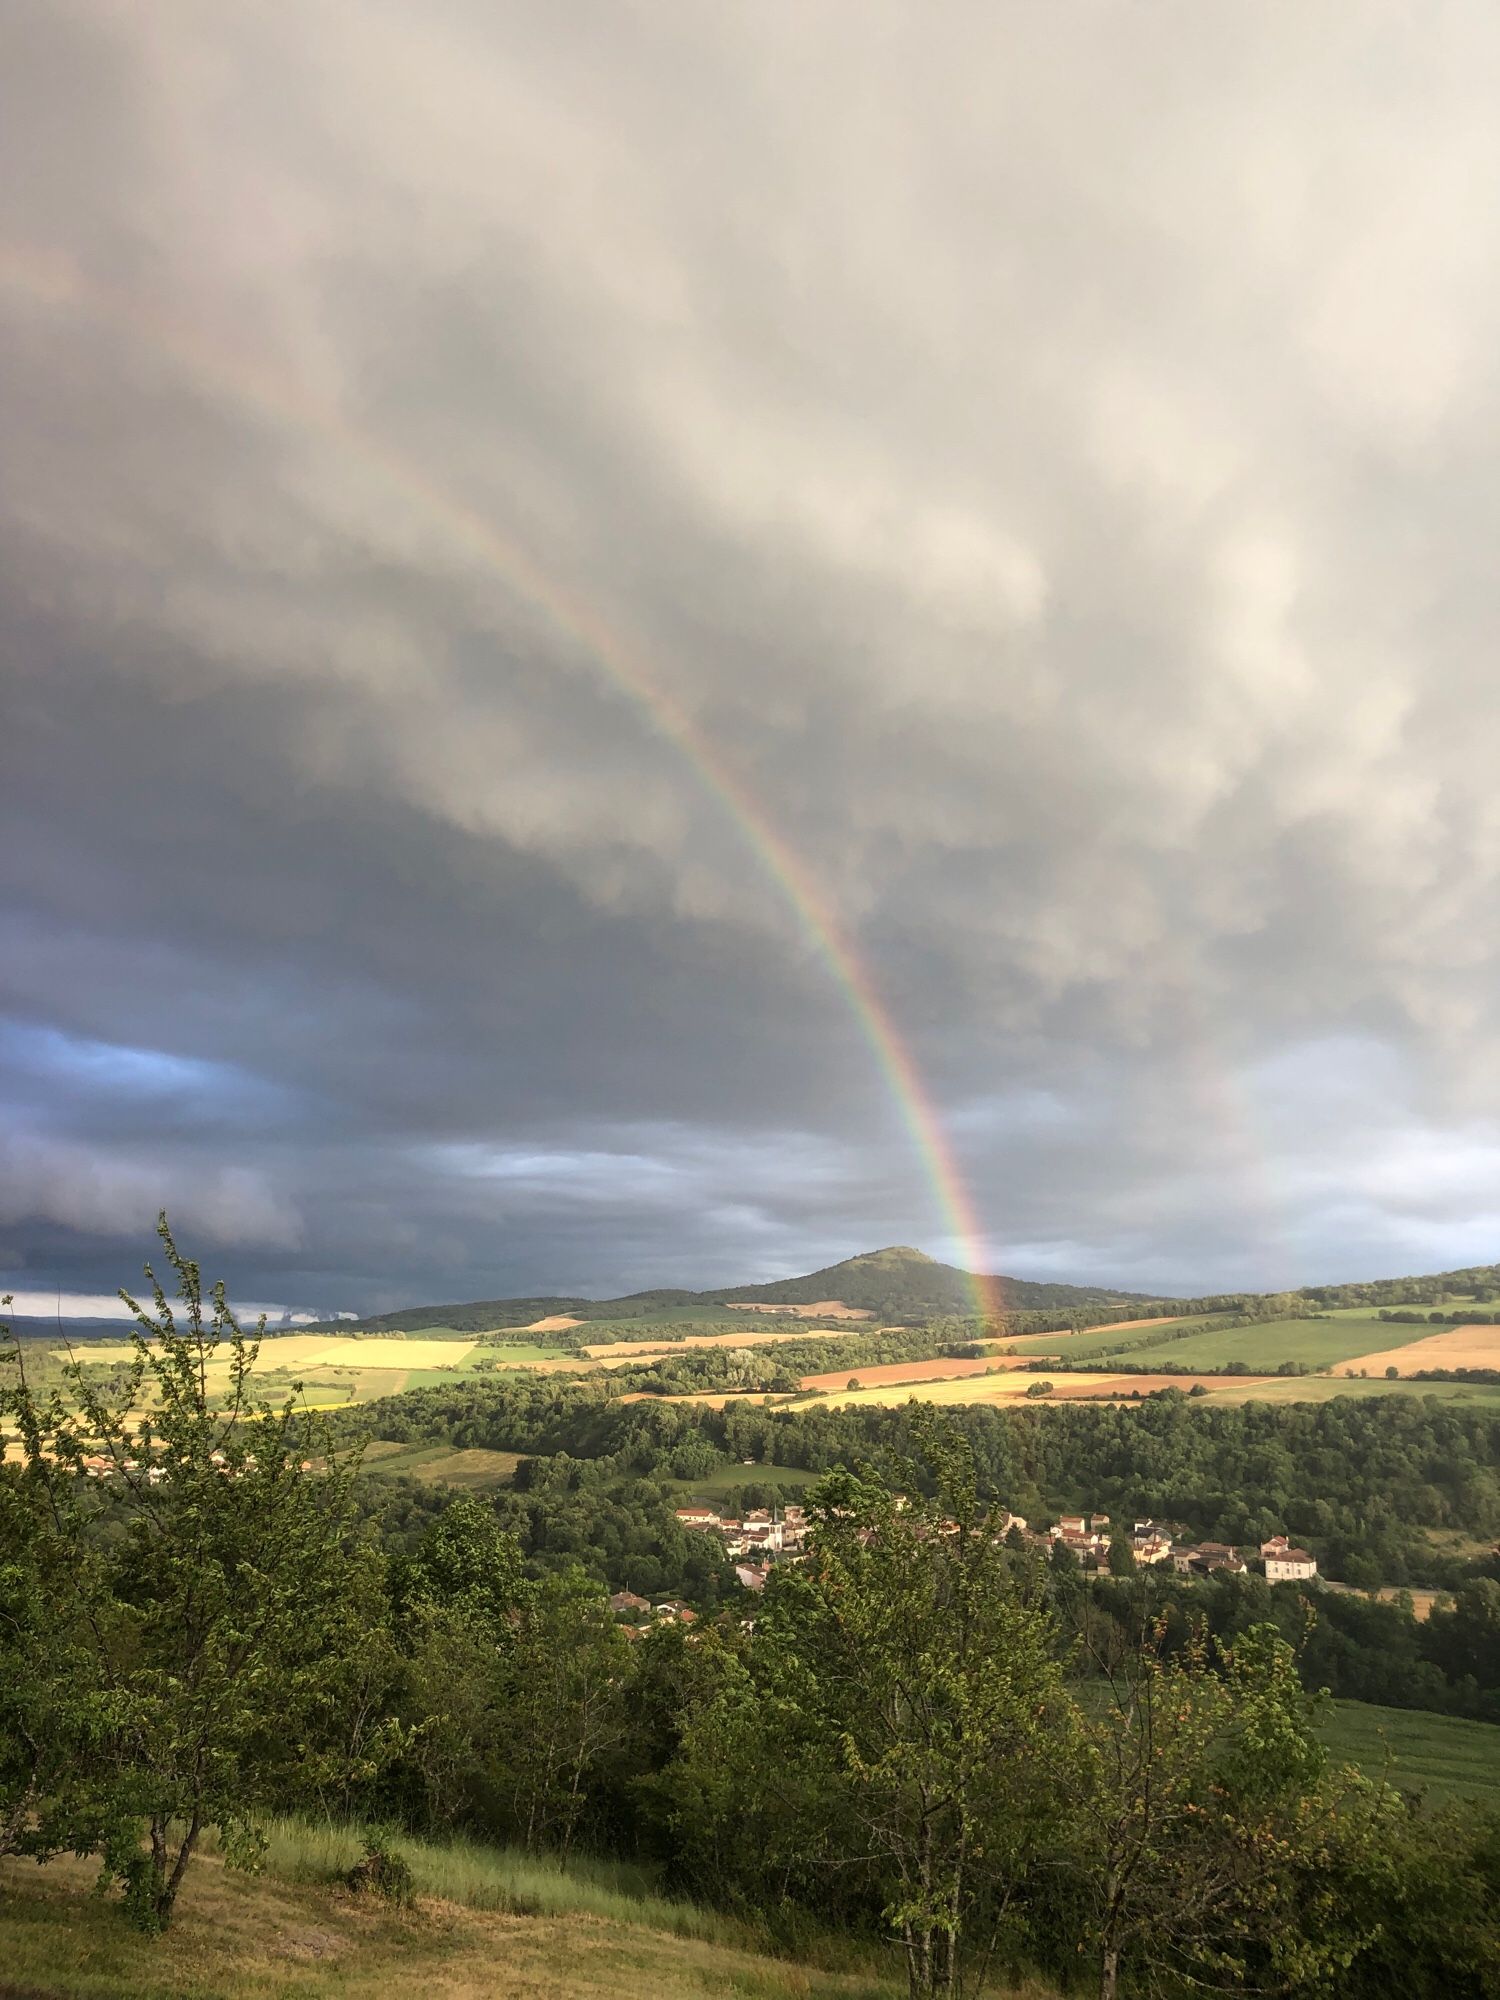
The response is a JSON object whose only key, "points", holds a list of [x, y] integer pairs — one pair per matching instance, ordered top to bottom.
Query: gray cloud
{"points": [[1046, 459]]}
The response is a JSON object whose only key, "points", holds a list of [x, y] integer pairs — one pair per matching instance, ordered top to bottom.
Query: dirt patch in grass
{"points": [[553, 1323]]}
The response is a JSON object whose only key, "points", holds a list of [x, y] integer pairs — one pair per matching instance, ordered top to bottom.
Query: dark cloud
{"points": [[1047, 463]]}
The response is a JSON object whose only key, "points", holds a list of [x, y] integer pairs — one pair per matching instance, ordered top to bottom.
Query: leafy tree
{"points": [[468, 1564], [213, 1578], [931, 1658], [565, 1698], [45, 1707], [1205, 1810]]}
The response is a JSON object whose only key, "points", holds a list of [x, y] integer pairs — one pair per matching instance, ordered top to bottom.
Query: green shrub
{"points": [[383, 1872]]}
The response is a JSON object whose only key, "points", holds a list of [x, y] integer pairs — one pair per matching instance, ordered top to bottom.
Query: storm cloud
{"points": [[1044, 456]]}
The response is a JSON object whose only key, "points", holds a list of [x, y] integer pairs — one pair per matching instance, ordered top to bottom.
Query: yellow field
{"points": [[1450, 1347], [319, 1350], [385, 1353], [1011, 1387], [1007, 1388]]}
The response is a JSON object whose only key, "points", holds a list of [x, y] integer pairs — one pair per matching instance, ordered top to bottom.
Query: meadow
{"points": [[1095, 1340], [1263, 1348], [1349, 1348], [337, 1370], [1322, 1388], [472, 1469], [726, 1479], [1444, 1756], [489, 1924]]}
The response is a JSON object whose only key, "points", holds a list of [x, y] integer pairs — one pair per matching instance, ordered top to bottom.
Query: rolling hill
{"points": [[895, 1283]]}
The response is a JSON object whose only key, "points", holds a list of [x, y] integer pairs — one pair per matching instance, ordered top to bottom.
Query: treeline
{"points": [[1480, 1282], [1471, 1316], [777, 1367], [1364, 1483], [620, 1532], [1358, 1648]]}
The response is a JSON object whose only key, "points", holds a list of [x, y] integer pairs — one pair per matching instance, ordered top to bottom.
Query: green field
{"points": [[1093, 1340], [1319, 1343], [1319, 1388], [476, 1470], [730, 1478], [1443, 1755]]}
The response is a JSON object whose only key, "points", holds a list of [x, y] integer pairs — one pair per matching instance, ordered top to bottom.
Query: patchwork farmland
{"points": [[1346, 1351]]}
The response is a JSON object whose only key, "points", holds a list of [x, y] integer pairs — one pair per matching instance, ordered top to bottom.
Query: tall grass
{"points": [[499, 1878]]}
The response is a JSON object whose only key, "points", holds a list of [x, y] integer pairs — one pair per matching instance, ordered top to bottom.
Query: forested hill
{"points": [[902, 1282], [897, 1283]]}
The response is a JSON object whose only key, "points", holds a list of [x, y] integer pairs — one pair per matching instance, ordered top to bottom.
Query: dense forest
{"points": [[1368, 1485]]}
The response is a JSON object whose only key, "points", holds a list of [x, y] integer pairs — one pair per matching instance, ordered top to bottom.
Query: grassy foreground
{"points": [[487, 1926]]}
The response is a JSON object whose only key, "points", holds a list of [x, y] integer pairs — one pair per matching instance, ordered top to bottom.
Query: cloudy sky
{"points": [[488, 491]]}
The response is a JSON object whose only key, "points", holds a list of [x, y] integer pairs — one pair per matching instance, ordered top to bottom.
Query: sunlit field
{"points": [[1450, 1347], [1263, 1349], [338, 1370], [1323, 1388]]}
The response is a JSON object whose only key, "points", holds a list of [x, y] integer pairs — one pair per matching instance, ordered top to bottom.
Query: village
{"points": [[763, 1537]]}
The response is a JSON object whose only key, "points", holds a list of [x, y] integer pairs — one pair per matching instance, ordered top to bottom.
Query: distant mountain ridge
{"points": [[895, 1283]]}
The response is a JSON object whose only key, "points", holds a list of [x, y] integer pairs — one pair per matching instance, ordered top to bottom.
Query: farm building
{"points": [[1286, 1564]]}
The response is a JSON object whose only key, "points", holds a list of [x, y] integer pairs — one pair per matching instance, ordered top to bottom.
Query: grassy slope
{"points": [[1093, 1340], [1320, 1343], [475, 1470], [1444, 1754], [583, 1935]]}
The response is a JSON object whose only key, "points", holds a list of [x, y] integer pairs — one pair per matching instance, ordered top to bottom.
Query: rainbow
{"points": [[54, 282]]}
